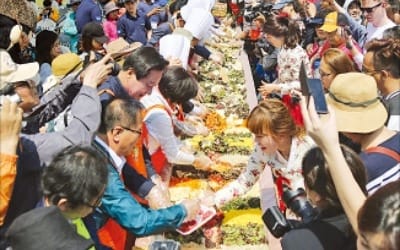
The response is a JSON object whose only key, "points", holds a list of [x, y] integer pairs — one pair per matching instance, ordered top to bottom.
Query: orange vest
{"points": [[158, 158]]}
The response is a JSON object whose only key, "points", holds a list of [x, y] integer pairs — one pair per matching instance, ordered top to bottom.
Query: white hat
{"points": [[193, 4], [202, 4], [185, 12], [199, 22], [175, 46], [12, 72]]}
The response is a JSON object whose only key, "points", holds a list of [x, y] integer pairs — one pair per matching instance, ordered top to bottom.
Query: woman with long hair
{"points": [[284, 34], [47, 48]]}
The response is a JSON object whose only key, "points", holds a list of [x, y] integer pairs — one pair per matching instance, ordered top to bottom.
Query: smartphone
{"points": [[314, 88]]}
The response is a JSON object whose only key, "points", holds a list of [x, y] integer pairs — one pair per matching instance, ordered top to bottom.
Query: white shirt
{"points": [[377, 32], [161, 131], [119, 161]]}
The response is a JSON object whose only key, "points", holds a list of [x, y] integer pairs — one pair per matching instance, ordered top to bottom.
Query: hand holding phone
{"points": [[314, 88]]}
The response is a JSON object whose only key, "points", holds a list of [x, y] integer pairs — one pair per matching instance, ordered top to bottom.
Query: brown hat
{"points": [[110, 7], [19, 10], [120, 47], [358, 109]]}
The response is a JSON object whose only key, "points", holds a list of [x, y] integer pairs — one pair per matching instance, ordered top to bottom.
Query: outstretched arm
{"points": [[324, 132]]}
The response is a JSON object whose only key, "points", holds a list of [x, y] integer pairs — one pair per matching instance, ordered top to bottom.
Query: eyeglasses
{"points": [[371, 9], [139, 132]]}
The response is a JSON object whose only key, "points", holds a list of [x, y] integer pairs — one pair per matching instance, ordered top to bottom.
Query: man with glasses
{"points": [[378, 21], [382, 62], [119, 130]]}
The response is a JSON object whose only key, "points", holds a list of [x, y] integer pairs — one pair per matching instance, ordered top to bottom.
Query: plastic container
{"points": [[205, 214]]}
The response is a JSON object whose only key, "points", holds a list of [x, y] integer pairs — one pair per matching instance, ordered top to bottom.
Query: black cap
{"points": [[73, 2], [95, 31], [45, 229]]}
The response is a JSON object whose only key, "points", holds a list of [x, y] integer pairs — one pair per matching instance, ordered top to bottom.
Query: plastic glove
{"points": [[217, 58], [202, 162], [156, 179], [157, 198], [207, 198], [192, 208]]}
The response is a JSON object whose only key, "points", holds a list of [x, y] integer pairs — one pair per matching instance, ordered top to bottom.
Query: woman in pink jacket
{"points": [[110, 24]]}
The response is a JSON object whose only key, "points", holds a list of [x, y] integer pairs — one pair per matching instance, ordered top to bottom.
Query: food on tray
{"points": [[205, 214]]}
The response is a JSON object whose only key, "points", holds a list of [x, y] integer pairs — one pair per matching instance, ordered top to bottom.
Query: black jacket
{"points": [[333, 233]]}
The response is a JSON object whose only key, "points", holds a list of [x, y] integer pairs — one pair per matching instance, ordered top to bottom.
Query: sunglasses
{"points": [[371, 9]]}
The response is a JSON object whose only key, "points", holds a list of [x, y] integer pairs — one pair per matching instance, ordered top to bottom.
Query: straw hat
{"points": [[355, 99]]}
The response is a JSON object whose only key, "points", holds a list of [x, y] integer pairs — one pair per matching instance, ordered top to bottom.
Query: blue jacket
{"points": [[144, 8], [88, 11], [133, 29], [162, 30], [114, 85], [119, 204]]}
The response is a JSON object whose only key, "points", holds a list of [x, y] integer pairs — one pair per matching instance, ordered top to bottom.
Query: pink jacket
{"points": [[110, 29]]}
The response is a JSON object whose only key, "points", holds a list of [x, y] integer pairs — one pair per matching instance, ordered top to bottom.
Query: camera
{"points": [[253, 11], [314, 22], [115, 69], [8, 92], [13, 98], [297, 202], [165, 245]]}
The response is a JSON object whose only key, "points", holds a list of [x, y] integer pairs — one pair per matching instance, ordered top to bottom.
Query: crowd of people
{"points": [[93, 94]]}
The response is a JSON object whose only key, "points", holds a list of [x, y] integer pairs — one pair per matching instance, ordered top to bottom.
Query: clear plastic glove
{"points": [[217, 58], [199, 109], [202, 162], [156, 179], [157, 198], [207, 198], [192, 208]]}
